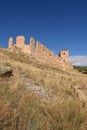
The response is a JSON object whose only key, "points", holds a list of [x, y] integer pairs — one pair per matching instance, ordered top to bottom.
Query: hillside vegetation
{"points": [[82, 69], [39, 96]]}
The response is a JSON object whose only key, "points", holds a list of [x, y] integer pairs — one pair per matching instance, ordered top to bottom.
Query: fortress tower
{"points": [[20, 41], [64, 54]]}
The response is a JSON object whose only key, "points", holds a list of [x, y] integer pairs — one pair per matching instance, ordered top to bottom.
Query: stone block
{"points": [[20, 41], [10, 43]]}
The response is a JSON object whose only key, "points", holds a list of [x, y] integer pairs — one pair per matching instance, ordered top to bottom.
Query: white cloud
{"points": [[79, 60]]}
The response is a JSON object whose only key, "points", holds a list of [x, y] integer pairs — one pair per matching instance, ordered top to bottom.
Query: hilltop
{"points": [[41, 53], [36, 95]]}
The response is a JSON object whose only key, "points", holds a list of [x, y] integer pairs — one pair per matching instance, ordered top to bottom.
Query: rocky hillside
{"points": [[40, 96]]}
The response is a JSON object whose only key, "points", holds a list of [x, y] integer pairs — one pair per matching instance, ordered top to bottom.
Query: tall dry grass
{"points": [[21, 109]]}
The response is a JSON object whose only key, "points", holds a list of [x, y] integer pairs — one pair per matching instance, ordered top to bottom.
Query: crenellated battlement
{"points": [[39, 51]]}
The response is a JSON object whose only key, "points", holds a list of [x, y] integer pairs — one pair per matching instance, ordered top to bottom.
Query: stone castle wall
{"points": [[39, 51]]}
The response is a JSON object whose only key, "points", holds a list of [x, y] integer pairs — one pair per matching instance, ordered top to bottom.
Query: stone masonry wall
{"points": [[20, 42], [10, 43], [39, 51]]}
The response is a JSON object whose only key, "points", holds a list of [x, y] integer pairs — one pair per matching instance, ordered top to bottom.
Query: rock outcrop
{"points": [[5, 71]]}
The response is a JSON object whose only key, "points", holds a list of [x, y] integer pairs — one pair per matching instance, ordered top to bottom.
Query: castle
{"points": [[39, 51]]}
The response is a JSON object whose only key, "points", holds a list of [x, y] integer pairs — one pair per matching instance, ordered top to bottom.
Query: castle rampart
{"points": [[20, 41], [39, 51]]}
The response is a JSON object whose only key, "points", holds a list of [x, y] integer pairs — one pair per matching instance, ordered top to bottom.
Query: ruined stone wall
{"points": [[20, 41], [10, 43], [29, 48], [39, 51], [44, 54]]}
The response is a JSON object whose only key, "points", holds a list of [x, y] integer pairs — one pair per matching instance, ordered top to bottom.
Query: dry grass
{"points": [[21, 109]]}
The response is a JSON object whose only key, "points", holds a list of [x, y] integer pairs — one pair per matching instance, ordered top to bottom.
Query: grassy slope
{"points": [[21, 109]]}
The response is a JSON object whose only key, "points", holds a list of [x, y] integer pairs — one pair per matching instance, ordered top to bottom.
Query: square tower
{"points": [[20, 41], [64, 54]]}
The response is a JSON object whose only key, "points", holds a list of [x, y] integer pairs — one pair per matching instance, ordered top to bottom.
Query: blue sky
{"points": [[58, 24]]}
